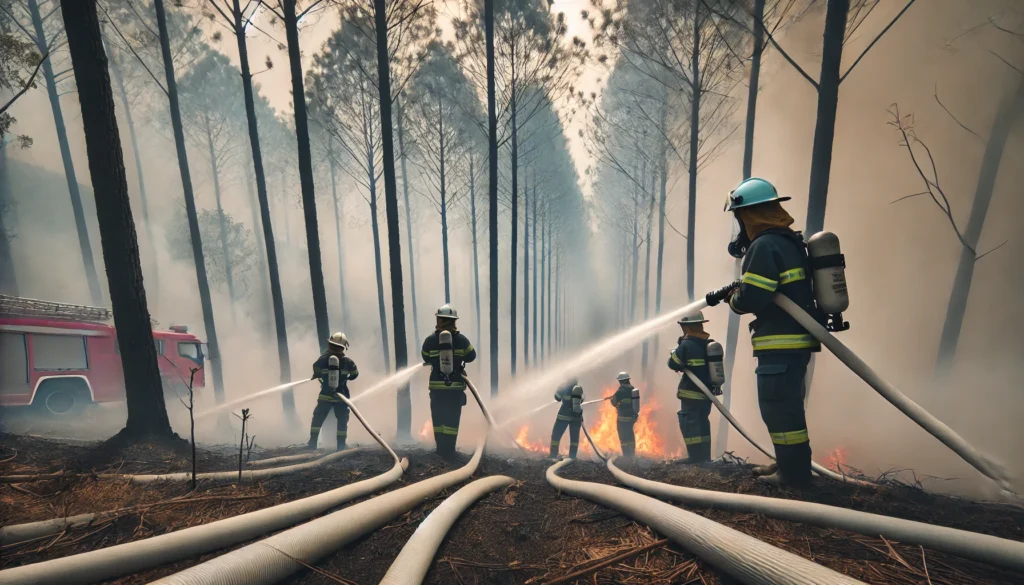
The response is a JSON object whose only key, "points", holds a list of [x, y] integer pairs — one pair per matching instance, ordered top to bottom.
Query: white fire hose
{"points": [[487, 414], [934, 426], [819, 469], [997, 551], [743, 557], [412, 564]]}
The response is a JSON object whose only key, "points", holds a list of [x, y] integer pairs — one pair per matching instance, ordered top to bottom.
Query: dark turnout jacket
{"points": [[776, 261], [463, 354], [692, 355], [347, 371], [623, 401], [565, 411]]}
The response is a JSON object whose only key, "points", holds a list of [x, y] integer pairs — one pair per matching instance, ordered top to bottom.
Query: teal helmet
{"points": [[752, 191]]}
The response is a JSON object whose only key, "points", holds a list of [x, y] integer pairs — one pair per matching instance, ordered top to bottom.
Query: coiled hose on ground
{"points": [[922, 417], [270, 461], [820, 470], [970, 545], [131, 557], [743, 557], [268, 561], [412, 564]]}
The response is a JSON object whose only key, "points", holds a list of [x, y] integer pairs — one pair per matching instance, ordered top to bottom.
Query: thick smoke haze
{"points": [[901, 257]]}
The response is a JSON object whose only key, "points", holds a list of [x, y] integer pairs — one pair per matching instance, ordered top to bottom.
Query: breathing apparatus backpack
{"points": [[828, 269]]}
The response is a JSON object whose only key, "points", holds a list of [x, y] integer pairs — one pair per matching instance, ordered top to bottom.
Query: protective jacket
{"points": [[776, 261], [463, 354], [692, 355], [347, 371], [623, 401], [565, 411]]}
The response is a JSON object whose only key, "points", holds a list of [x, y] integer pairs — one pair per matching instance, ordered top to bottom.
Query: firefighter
{"points": [[775, 261], [337, 345], [447, 351], [627, 404], [694, 406], [570, 415]]}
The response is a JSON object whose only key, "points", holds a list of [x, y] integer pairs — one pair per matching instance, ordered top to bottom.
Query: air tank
{"points": [[828, 266], [447, 353], [716, 368], [333, 372], [577, 399], [636, 401]]}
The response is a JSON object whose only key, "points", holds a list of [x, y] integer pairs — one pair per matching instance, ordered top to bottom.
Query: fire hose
{"points": [[486, 413], [923, 418], [282, 459], [819, 469], [970, 545], [131, 557], [743, 557], [272, 559], [412, 564]]}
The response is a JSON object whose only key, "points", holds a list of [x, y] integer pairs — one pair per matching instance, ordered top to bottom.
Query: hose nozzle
{"points": [[716, 296]]}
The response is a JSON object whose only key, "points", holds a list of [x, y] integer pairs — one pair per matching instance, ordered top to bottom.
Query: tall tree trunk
{"points": [[115, 68], [695, 96], [828, 101], [1004, 122], [372, 179], [492, 190], [284, 193], [662, 197], [190, 205], [254, 206], [391, 209], [444, 209], [338, 223], [408, 223], [221, 224], [514, 244], [635, 249], [544, 251], [476, 259], [526, 271], [316, 273], [536, 275], [647, 275], [91, 276], [8, 279], [547, 306], [557, 320], [733, 327], [287, 397], [147, 413]]}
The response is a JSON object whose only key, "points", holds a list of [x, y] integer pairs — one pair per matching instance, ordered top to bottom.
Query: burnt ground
{"points": [[526, 533]]}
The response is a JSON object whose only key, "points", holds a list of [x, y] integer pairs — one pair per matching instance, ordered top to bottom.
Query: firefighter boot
{"points": [[314, 434], [698, 453], [769, 469]]}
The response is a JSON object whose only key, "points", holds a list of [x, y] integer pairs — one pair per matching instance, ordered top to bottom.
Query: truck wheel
{"points": [[62, 398]]}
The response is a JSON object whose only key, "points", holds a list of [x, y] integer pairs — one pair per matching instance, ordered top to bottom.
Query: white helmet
{"points": [[447, 312], [694, 319], [338, 340], [622, 377]]}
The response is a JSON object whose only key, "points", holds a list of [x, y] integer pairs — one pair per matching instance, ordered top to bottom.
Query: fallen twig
{"points": [[611, 561]]}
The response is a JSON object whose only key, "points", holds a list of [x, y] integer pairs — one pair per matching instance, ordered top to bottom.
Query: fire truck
{"points": [[59, 358]]}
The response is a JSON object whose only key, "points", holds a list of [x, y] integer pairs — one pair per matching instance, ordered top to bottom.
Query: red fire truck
{"points": [[59, 358]]}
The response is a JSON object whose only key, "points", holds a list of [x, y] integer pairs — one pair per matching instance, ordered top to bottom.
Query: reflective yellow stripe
{"points": [[793, 275], [759, 281], [795, 341], [469, 348], [461, 351], [433, 353], [675, 358], [694, 363], [440, 385], [691, 394], [328, 398], [566, 417], [626, 418], [314, 429], [446, 430], [342, 433], [790, 437], [697, 440], [554, 443], [627, 444]]}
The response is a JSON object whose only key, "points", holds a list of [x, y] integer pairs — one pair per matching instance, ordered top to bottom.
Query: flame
{"points": [[427, 431], [523, 438], [836, 459]]}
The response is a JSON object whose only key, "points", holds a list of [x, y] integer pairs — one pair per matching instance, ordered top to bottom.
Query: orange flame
{"points": [[427, 431], [523, 438], [836, 459]]}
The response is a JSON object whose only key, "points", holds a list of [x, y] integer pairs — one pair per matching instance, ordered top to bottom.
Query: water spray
{"points": [[396, 379], [245, 400], [545, 406], [486, 413]]}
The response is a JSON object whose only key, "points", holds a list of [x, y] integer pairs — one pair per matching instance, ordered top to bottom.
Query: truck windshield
{"points": [[191, 351]]}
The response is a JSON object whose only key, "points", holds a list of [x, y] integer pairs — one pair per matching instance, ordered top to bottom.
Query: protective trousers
{"points": [[780, 396], [323, 408], [445, 412], [695, 424], [574, 436], [626, 437]]}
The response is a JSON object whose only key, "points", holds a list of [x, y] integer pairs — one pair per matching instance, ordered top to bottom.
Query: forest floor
{"points": [[524, 534]]}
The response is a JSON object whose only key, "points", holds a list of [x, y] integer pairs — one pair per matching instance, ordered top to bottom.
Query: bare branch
{"points": [[880, 35]]}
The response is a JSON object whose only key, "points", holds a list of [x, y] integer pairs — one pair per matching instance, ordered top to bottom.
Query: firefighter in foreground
{"points": [[775, 261], [447, 352], [700, 355], [334, 369], [627, 404], [570, 415]]}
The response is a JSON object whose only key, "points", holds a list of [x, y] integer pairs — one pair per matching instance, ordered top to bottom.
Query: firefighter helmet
{"points": [[752, 191], [447, 312], [695, 319], [338, 340], [622, 377]]}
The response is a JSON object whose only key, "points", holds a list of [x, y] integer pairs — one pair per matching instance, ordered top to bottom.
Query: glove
{"points": [[716, 296], [716, 390]]}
